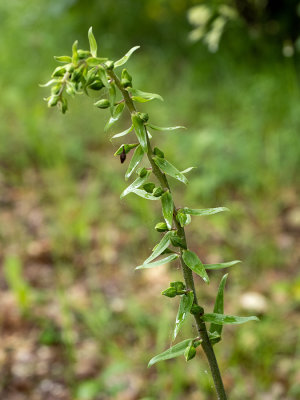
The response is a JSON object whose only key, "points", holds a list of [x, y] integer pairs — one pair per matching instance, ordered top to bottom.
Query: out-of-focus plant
{"points": [[85, 71]]}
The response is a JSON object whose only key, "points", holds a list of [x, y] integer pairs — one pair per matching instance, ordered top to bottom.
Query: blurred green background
{"points": [[77, 321]]}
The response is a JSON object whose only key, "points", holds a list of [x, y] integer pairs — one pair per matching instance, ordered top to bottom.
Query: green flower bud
{"points": [[83, 54], [59, 71], [77, 74], [126, 79], [125, 83], [96, 85], [55, 89], [52, 100], [103, 103], [63, 105], [143, 116], [158, 152], [142, 172], [149, 187], [157, 192], [161, 227], [178, 242], [179, 286], [170, 292], [196, 310], [197, 342], [190, 352]]}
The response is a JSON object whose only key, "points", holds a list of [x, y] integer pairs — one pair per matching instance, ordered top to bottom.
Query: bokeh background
{"points": [[77, 321]]}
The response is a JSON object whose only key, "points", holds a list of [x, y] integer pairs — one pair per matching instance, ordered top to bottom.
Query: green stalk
{"points": [[187, 273]]}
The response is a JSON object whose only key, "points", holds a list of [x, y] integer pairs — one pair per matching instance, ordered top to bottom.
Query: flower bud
{"points": [[83, 54], [109, 64], [59, 71], [126, 79], [96, 85], [52, 100], [103, 103], [64, 105], [143, 116], [142, 173], [149, 187], [157, 192], [161, 227], [178, 242], [179, 286], [170, 292], [195, 309], [190, 352]]}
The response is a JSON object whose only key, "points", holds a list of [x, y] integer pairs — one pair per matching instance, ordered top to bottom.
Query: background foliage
{"points": [[77, 322]]}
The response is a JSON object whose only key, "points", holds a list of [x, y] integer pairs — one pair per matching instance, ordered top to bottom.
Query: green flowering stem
{"points": [[187, 273]]}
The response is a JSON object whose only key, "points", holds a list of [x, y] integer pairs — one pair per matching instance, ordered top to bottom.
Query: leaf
{"points": [[93, 43], [74, 52], [63, 59], [124, 59], [95, 61], [103, 77], [49, 83], [143, 95], [112, 96], [115, 117], [167, 128], [140, 131], [122, 133], [135, 160], [169, 169], [187, 170], [135, 185], [144, 194], [167, 208], [204, 211], [183, 219], [160, 247], [162, 261], [193, 262], [221, 265], [185, 305], [219, 305], [222, 319], [214, 337], [174, 351]]}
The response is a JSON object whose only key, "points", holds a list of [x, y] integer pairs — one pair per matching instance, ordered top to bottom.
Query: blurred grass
{"points": [[63, 223]]}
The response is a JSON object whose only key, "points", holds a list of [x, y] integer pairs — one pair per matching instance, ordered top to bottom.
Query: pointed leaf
{"points": [[93, 43], [74, 52], [63, 59], [124, 59], [95, 61], [49, 83], [143, 95], [115, 117], [167, 128], [140, 130], [122, 133], [135, 160], [169, 169], [185, 171], [135, 185], [144, 194], [167, 208], [204, 211], [160, 247], [163, 261], [193, 262], [221, 265], [185, 305], [219, 306], [222, 319], [172, 352]]}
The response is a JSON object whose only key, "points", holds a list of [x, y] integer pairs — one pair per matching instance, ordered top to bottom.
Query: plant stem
{"points": [[187, 273]]}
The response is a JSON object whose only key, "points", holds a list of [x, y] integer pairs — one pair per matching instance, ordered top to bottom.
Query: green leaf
{"points": [[93, 43], [75, 53], [63, 59], [124, 59], [95, 61], [103, 77], [49, 83], [112, 96], [143, 96], [115, 117], [167, 128], [140, 131], [122, 133], [135, 160], [169, 169], [187, 170], [135, 185], [144, 194], [167, 208], [204, 211], [183, 219], [160, 247], [162, 261], [193, 262], [221, 265], [185, 305], [219, 305], [222, 319], [214, 337], [174, 351], [190, 352]]}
